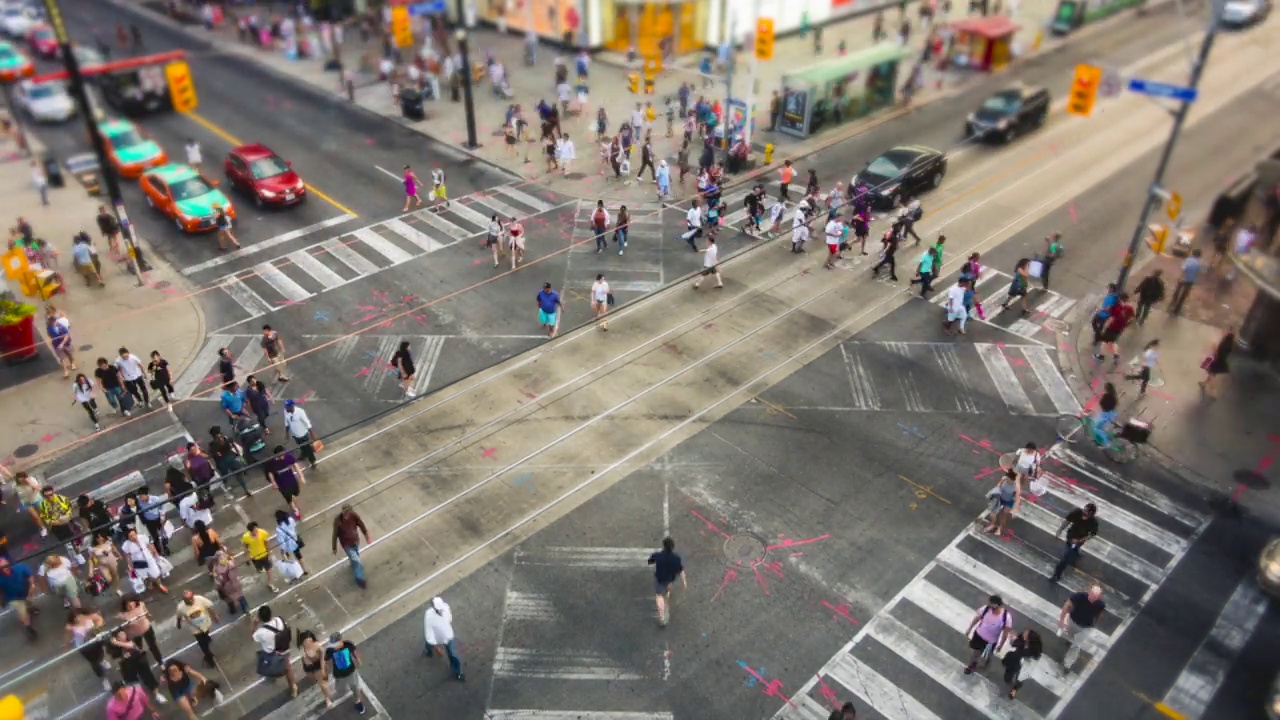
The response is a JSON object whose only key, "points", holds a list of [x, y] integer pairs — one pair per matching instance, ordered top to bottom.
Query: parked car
{"points": [[13, 64], [47, 102], [1008, 114], [904, 171], [259, 172], [185, 196]]}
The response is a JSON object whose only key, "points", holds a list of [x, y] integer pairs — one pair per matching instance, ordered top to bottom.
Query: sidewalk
{"points": [[608, 88], [35, 395]]}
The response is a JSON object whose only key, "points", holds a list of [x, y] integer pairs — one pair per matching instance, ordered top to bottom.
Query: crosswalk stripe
{"points": [[523, 198], [505, 211], [469, 214], [453, 230], [424, 241], [383, 246], [352, 259], [308, 263], [282, 283], [637, 286], [245, 297], [993, 301], [1052, 304], [1024, 328], [344, 348], [251, 357], [427, 359], [948, 359], [378, 365], [199, 367], [1003, 377], [906, 379], [1052, 381], [861, 385], [1103, 476], [1122, 519], [1099, 547], [599, 558], [1032, 606], [538, 607], [559, 665], [1045, 672], [1200, 680], [975, 690], [885, 697], [803, 707], [575, 715]]}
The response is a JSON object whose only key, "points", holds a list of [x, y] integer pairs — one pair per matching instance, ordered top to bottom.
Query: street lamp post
{"points": [[76, 81], [467, 98], [1179, 119]]}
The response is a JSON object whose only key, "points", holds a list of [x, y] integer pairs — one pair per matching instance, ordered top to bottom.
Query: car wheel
{"points": [[936, 180], [257, 200], [178, 222]]}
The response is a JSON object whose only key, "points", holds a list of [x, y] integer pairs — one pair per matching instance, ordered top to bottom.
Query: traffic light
{"points": [[400, 29], [764, 39], [182, 90], [1084, 90]]}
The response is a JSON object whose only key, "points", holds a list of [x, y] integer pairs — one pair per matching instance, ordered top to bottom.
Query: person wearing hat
{"points": [[298, 425], [1080, 524], [437, 626], [344, 665]]}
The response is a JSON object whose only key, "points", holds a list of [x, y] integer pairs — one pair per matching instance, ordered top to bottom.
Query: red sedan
{"points": [[43, 42], [257, 171]]}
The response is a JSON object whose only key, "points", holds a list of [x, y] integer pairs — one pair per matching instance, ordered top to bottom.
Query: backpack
{"points": [[917, 214], [598, 219], [204, 499], [283, 636], [342, 660]]}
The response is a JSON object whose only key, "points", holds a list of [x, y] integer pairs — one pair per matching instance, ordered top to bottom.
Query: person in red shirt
{"points": [[1121, 315]]}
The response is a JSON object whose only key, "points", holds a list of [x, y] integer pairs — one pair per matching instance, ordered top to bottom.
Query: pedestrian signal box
{"points": [[1084, 90]]}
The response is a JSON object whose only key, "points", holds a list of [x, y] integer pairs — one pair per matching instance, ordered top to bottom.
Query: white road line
{"points": [[389, 174], [522, 197], [505, 211], [470, 214], [457, 232], [425, 242], [266, 244], [383, 246], [352, 259], [307, 263], [282, 283], [636, 286], [246, 297], [1050, 303], [1064, 308], [1024, 328], [343, 349], [251, 357], [428, 357], [949, 360], [378, 366], [198, 370], [1003, 377], [906, 378], [1054, 384], [861, 386], [167, 437], [131, 480], [1139, 491], [1122, 519], [1099, 547], [596, 558], [531, 607], [1033, 607], [559, 665], [1045, 672], [1204, 673], [975, 690], [886, 698], [804, 707], [574, 715]]}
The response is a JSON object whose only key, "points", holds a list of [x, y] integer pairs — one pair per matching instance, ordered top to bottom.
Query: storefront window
{"points": [[548, 18]]}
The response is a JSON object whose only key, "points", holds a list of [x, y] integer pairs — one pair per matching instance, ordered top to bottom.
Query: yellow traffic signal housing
{"points": [[401, 30], [764, 39], [182, 89], [1084, 90]]}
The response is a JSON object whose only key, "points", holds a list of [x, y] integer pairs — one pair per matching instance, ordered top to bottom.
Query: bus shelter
{"points": [[983, 43], [841, 89]]}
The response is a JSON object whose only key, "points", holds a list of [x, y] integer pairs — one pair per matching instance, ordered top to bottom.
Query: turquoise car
{"points": [[131, 152], [185, 196]]}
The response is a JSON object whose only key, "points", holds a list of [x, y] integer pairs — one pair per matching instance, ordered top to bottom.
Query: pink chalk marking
{"points": [[1075, 216], [477, 261], [709, 326], [1017, 362], [362, 372], [305, 397], [984, 444], [488, 452], [1265, 463], [985, 472], [1237, 493], [710, 525], [788, 542], [30, 547], [797, 554], [774, 567], [730, 575], [839, 611], [772, 688], [828, 694]]}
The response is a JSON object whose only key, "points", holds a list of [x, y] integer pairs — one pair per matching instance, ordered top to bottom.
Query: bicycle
{"points": [[1121, 447]]}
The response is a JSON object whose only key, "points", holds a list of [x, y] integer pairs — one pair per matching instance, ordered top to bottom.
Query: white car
{"points": [[1242, 13], [16, 20], [46, 102]]}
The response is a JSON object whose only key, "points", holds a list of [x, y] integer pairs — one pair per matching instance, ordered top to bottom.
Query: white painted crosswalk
{"points": [[637, 272], [301, 274], [1047, 308], [945, 377], [907, 662]]}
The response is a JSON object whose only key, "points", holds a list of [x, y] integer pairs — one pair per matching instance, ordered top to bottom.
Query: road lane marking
{"points": [[235, 142], [383, 246], [247, 250], [352, 259], [308, 263], [283, 284], [246, 297], [1003, 377], [1064, 401], [167, 437], [595, 558], [559, 665]]}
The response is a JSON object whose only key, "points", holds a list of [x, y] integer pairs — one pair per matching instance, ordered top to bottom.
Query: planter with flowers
{"points": [[17, 330]]}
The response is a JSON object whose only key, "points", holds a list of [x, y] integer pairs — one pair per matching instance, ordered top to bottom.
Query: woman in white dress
{"points": [[600, 301], [144, 561]]}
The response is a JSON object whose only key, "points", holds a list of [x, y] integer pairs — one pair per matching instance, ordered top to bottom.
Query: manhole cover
{"points": [[162, 284], [27, 450], [1251, 479], [744, 549]]}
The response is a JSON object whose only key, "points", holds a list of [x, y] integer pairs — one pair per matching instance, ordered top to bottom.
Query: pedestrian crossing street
{"points": [[639, 271], [301, 274], [1041, 325], [950, 377], [907, 662]]}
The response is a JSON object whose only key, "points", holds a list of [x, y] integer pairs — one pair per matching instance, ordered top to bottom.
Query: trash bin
{"points": [[411, 104], [53, 171]]}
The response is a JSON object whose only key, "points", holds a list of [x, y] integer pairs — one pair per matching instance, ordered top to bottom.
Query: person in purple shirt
{"points": [[286, 476]]}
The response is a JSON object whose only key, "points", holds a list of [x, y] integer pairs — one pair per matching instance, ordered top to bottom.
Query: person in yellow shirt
{"points": [[255, 542]]}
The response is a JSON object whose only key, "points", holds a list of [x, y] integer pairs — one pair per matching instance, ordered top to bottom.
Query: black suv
{"points": [[1008, 113]]}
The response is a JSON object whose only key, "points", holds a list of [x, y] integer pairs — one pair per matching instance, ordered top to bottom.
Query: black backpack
{"points": [[917, 213], [204, 499], [283, 636]]}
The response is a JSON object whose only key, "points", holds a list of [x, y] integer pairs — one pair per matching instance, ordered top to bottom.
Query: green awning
{"points": [[820, 74]]}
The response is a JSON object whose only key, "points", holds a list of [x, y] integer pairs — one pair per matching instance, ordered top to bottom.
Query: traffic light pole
{"points": [[752, 90], [468, 99], [1179, 119], [109, 180]]}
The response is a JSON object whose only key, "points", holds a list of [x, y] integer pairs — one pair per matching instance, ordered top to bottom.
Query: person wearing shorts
{"points": [[439, 191], [834, 234], [493, 240], [515, 242], [710, 265], [601, 299], [548, 309], [1122, 313], [255, 541], [667, 566], [16, 586], [344, 665]]}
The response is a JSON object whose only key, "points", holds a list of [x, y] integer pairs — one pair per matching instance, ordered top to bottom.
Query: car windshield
{"points": [[6, 54], [43, 91], [1004, 103], [126, 139], [890, 165], [267, 167], [193, 187]]}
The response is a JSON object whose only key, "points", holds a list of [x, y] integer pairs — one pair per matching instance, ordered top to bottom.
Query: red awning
{"points": [[991, 27]]}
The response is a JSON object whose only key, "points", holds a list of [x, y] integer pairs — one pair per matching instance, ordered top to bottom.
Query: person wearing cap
{"points": [[548, 309], [298, 425], [1080, 524], [347, 527], [437, 626], [343, 662]]}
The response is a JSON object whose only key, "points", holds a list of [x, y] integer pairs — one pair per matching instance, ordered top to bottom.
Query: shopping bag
{"points": [[1034, 268], [317, 445], [169, 529], [165, 566], [289, 569], [136, 584], [271, 665]]}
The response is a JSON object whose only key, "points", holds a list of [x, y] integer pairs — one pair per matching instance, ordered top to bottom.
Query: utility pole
{"points": [[728, 84], [752, 90], [468, 99], [1179, 119], [109, 180]]}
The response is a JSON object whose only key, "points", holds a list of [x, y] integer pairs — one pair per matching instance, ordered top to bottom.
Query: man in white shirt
{"points": [[637, 122], [565, 153], [194, 157], [693, 220], [834, 233], [799, 236], [710, 265], [956, 312], [134, 376], [298, 425], [437, 627], [265, 629]]}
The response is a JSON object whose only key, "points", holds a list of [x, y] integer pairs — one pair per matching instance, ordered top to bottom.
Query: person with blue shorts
{"points": [[549, 309]]}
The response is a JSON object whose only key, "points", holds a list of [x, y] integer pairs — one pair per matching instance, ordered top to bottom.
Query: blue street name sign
{"points": [[431, 7], [1164, 90]]}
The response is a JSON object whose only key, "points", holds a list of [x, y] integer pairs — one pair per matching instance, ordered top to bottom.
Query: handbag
{"points": [[608, 299], [1206, 363], [317, 445], [271, 665]]}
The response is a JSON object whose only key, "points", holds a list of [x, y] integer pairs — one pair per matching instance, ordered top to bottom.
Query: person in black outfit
{"points": [[646, 161], [890, 242], [1150, 291], [226, 367], [161, 379], [95, 515], [1080, 524], [1026, 646], [134, 667]]}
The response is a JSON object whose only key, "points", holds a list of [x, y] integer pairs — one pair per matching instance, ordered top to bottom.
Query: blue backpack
{"points": [[342, 658]]}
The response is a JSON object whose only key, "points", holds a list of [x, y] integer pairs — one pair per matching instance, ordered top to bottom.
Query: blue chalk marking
{"points": [[321, 316], [906, 430], [522, 479]]}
